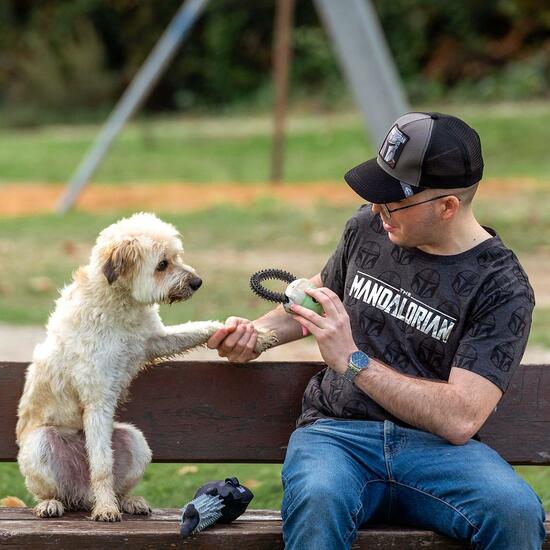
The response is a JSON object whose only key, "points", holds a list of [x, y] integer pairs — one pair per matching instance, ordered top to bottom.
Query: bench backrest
{"points": [[215, 411]]}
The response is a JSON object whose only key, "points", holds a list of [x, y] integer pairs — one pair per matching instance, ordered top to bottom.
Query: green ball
{"points": [[312, 304]]}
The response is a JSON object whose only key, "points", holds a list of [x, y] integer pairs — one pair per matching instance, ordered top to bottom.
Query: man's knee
{"points": [[319, 494], [517, 502], [513, 511]]}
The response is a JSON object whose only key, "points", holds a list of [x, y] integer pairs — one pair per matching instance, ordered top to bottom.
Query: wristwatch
{"points": [[357, 362]]}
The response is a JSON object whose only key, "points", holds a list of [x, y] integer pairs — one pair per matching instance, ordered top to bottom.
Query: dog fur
{"points": [[104, 330]]}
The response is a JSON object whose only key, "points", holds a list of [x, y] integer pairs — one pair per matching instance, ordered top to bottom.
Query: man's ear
{"points": [[451, 206], [121, 259]]}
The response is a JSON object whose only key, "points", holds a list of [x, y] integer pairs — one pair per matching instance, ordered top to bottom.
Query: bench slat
{"points": [[221, 412], [256, 529]]}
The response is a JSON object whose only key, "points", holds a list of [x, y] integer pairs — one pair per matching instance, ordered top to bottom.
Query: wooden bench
{"points": [[222, 412]]}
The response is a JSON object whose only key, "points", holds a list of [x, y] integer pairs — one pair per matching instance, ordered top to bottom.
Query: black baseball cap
{"points": [[421, 151]]}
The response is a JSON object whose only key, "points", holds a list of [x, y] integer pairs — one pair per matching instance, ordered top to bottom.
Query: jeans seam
{"points": [[387, 456], [454, 508], [355, 512]]}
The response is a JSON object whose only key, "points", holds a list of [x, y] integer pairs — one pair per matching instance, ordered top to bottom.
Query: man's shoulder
{"points": [[494, 257], [501, 274]]}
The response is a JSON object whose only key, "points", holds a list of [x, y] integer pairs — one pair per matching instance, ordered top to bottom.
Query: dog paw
{"points": [[214, 326], [265, 341], [135, 505], [49, 509], [106, 513]]}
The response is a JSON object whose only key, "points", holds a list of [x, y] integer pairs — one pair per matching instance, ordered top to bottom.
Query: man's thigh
{"points": [[339, 458], [454, 489]]}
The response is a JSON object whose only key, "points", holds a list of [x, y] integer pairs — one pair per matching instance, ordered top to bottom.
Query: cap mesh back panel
{"points": [[470, 139], [453, 157]]}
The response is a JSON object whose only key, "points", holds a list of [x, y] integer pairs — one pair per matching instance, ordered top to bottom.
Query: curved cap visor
{"points": [[372, 183]]}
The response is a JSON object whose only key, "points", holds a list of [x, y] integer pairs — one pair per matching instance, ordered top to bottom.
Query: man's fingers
{"points": [[323, 296], [335, 299], [311, 316], [233, 322], [308, 325], [217, 338], [232, 340], [236, 340], [239, 347], [247, 347]]}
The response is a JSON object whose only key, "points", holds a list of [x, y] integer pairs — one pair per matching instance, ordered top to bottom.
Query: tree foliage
{"points": [[72, 55]]}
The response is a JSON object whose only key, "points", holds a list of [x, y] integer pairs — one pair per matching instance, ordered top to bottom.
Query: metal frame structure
{"points": [[359, 43]]}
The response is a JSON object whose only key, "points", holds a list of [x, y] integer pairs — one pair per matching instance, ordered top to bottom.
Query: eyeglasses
{"points": [[387, 212]]}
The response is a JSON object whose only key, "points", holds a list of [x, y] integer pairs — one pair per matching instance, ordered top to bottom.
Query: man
{"points": [[427, 315]]}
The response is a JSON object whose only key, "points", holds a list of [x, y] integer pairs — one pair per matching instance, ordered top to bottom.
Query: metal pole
{"points": [[281, 61], [367, 62], [133, 97]]}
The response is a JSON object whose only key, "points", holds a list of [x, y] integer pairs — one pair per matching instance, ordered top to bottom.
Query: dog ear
{"points": [[121, 259]]}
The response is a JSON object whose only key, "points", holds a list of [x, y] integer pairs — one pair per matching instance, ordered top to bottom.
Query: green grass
{"points": [[238, 148], [223, 244], [226, 244], [540, 332], [539, 478], [173, 485]]}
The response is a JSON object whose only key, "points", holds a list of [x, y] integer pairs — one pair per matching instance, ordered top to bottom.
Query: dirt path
{"points": [[19, 199], [25, 199], [17, 343]]}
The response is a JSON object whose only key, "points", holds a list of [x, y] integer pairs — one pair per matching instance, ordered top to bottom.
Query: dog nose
{"points": [[195, 283]]}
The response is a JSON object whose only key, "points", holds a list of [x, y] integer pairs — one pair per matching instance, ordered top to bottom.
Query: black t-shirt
{"points": [[421, 314]]}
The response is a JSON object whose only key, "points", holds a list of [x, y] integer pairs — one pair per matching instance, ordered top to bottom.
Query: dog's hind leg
{"points": [[131, 456], [53, 462]]}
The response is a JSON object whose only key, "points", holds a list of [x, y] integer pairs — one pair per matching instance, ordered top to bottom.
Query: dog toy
{"points": [[295, 292], [215, 501]]}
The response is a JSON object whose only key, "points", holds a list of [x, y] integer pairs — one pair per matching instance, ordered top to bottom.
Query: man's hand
{"points": [[332, 331], [236, 340]]}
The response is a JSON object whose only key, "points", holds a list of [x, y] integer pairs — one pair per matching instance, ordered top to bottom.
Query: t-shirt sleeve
{"points": [[333, 274], [497, 333]]}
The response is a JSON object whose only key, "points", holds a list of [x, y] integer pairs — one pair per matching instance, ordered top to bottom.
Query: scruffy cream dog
{"points": [[105, 328]]}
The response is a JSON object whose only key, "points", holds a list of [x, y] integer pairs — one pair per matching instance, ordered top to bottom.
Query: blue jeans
{"points": [[341, 474]]}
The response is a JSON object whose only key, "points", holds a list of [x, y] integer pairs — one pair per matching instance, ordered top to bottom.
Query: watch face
{"points": [[359, 359]]}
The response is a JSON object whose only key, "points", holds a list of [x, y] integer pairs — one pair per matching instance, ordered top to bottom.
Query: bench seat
{"points": [[222, 412], [254, 530]]}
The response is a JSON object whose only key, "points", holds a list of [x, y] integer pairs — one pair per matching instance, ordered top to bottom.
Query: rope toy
{"points": [[294, 293], [215, 501]]}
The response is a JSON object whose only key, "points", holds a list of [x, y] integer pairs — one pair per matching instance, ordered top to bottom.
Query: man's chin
{"points": [[394, 238], [399, 241]]}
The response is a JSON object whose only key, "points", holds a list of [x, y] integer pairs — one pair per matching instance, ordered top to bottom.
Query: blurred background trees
{"points": [[71, 59]]}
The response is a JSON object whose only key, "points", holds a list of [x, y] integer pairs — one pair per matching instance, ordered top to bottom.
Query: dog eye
{"points": [[162, 265]]}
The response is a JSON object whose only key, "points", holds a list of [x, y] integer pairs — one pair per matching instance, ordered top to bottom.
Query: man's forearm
{"points": [[285, 327], [434, 406]]}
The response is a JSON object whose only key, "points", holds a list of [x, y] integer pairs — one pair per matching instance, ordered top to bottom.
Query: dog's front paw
{"points": [[214, 326], [265, 341], [135, 505], [49, 509], [106, 512]]}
